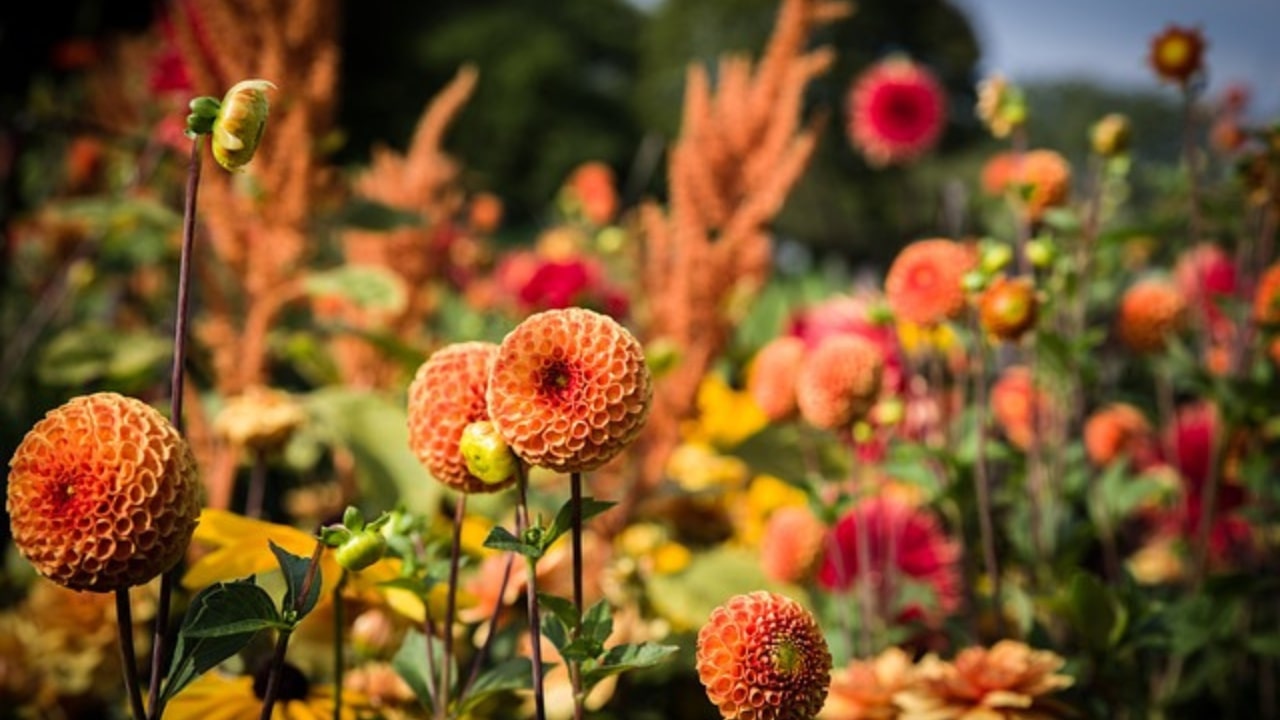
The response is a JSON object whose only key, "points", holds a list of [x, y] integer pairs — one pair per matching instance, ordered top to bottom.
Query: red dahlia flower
{"points": [[897, 110]]}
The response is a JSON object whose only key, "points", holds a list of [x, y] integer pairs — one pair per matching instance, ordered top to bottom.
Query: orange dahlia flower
{"points": [[1177, 54], [1048, 177], [923, 285], [1266, 299], [1008, 307], [1151, 311], [771, 380], [839, 381], [569, 389], [448, 394], [1015, 404], [1119, 429], [103, 494], [791, 544], [762, 656], [1009, 681], [864, 689]]}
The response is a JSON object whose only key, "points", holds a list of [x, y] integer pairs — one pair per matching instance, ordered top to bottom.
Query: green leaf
{"points": [[93, 353], [563, 522], [501, 539], [294, 568], [561, 607], [1096, 614], [219, 623], [597, 624], [557, 633], [1268, 645], [626, 657], [410, 663], [510, 675]]}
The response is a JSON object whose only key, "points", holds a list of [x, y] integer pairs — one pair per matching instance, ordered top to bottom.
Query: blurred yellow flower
{"points": [[918, 339], [726, 416], [696, 467], [764, 495], [650, 545], [215, 696]]}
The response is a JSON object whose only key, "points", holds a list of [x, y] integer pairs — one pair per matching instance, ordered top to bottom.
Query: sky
{"points": [[1108, 40]]}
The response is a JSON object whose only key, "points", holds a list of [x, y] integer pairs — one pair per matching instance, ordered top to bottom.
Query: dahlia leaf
{"points": [[564, 517], [501, 539], [294, 568], [563, 608], [232, 609], [598, 623], [557, 633], [198, 649], [622, 658], [410, 663], [509, 675]]}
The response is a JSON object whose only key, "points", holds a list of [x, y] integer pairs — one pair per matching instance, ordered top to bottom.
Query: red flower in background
{"points": [[897, 110], [1206, 275], [536, 283], [849, 315], [904, 543]]}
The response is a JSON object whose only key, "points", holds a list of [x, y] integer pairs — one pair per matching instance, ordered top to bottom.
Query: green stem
{"points": [[982, 483], [531, 592], [451, 600], [282, 639], [339, 654], [128, 656], [575, 667]]}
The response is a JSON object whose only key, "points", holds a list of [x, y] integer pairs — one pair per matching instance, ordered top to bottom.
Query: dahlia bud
{"points": [[240, 122], [1110, 135], [1008, 308], [487, 455], [361, 549]]}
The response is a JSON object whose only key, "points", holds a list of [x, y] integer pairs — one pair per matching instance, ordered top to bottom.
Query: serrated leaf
{"points": [[563, 522], [500, 538], [294, 568], [217, 606], [561, 607], [597, 624], [557, 633], [626, 657], [410, 663], [510, 675]]}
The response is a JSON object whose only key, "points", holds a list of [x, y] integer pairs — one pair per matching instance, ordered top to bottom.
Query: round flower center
{"points": [[1175, 51], [557, 380], [69, 495], [786, 658], [293, 684]]}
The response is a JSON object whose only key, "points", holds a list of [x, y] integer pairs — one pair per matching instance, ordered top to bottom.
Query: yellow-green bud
{"points": [[241, 120], [1110, 135], [1040, 252], [995, 257], [487, 455]]}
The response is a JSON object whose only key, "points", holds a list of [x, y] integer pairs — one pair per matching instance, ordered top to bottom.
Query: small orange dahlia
{"points": [[1177, 54], [1047, 175], [923, 285], [1266, 299], [1008, 307], [1151, 311], [771, 380], [839, 381], [569, 389], [448, 394], [1016, 403], [1119, 429], [103, 494], [791, 544], [762, 656], [1009, 680], [864, 689]]}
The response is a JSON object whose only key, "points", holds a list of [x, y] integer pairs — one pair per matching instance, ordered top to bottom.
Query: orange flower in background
{"points": [[1177, 54], [897, 111], [997, 172], [1047, 175], [592, 191], [484, 213], [923, 285], [1266, 299], [1008, 307], [1151, 312], [771, 379], [839, 381], [569, 389], [448, 394], [1015, 404], [1120, 429], [103, 494], [792, 543], [762, 656], [1009, 681], [864, 689]]}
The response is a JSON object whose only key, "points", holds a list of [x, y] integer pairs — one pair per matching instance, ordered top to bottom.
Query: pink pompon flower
{"points": [[897, 111], [771, 379]]}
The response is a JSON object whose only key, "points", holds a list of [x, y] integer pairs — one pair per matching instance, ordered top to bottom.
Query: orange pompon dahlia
{"points": [[1177, 54], [897, 111], [1046, 175], [924, 283], [1266, 299], [1008, 307], [1151, 311], [771, 380], [839, 381], [569, 389], [448, 394], [1016, 404], [1119, 429], [103, 494], [791, 544], [762, 656], [1009, 680], [864, 689]]}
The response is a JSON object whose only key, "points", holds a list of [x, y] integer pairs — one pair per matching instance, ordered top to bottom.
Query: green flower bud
{"points": [[204, 110], [241, 120], [1040, 252], [995, 257], [487, 455], [361, 550]]}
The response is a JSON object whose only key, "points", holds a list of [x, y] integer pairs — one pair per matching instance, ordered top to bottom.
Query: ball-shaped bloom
{"points": [[1177, 54], [897, 110], [1046, 175], [924, 283], [1266, 299], [1008, 307], [1151, 312], [771, 380], [839, 381], [569, 389], [448, 394], [1117, 430], [103, 494], [791, 544], [762, 656], [1009, 680]]}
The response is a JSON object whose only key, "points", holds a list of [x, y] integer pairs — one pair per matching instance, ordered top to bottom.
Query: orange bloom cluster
{"points": [[1044, 173], [923, 285], [1151, 311], [771, 379], [839, 381], [569, 389], [446, 395], [103, 494], [762, 656], [1009, 681]]}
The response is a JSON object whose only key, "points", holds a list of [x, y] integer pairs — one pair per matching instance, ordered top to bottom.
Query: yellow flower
{"points": [[918, 339], [726, 416], [696, 467], [765, 495], [214, 696]]}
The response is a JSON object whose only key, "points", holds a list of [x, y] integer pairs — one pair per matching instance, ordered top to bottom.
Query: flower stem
{"points": [[982, 483], [531, 592], [451, 600], [282, 639], [483, 652], [339, 654], [128, 656], [575, 667]]}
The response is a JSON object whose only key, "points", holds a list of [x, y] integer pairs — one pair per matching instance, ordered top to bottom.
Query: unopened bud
{"points": [[241, 120], [487, 455]]}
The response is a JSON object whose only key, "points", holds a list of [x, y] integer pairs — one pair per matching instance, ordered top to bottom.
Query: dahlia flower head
{"points": [[1177, 54], [897, 111], [1206, 275], [924, 284], [1266, 299], [1008, 307], [1151, 312], [853, 314], [771, 377], [839, 381], [569, 389], [446, 395], [1016, 401], [1120, 430], [103, 494], [762, 656], [1009, 680], [865, 688]]}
